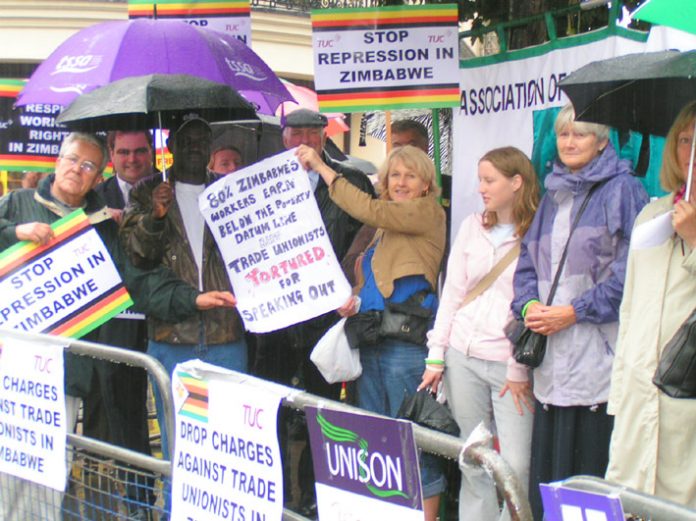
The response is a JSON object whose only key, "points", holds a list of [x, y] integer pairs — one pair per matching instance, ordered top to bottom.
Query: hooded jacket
{"points": [[577, 365]]}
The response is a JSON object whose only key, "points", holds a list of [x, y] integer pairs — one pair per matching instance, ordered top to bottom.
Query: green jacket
{"points": [[154, 242], [156, 292]]}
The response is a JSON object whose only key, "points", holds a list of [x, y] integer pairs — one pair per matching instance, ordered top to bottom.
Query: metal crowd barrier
{"points": [[100, 471]]}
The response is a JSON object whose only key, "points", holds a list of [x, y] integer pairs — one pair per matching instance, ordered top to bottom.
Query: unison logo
{"points": [[77, 64], [244, 69], [347, 456]]}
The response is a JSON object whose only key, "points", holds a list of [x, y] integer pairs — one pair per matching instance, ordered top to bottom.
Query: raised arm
{"points": [[143, 228]]}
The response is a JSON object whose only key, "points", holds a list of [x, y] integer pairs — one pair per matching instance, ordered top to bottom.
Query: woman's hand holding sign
{"points": [[40, 233], [350, 308]]}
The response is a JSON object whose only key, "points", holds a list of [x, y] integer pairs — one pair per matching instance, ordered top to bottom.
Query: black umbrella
{"points": [[642, 92], [154, 101]]}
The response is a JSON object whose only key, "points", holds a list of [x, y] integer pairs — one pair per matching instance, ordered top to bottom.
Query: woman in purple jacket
{"points": [[571, 427]]}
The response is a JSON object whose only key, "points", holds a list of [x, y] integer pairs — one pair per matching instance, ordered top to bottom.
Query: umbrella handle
{"points": [[164, 163], [690, 174]]}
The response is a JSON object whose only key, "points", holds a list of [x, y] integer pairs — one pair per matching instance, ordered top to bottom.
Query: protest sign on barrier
{"points": [[395, 57], [278, 255], [67, 287], [32, 412], [226, 462], [365, 467], [567, 504]]}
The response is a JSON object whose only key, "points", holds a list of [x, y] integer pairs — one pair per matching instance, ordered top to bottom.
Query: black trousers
{"points": [[283, 357], [567, 441]]}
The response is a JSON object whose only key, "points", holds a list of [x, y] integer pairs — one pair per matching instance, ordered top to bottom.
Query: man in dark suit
{"points": [[121, 419]]}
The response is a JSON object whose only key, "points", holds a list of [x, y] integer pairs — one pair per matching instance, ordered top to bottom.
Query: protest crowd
{"points": [[541, 319]]}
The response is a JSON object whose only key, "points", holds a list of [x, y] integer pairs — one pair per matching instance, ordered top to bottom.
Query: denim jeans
{"points": [[230, 356], [392, 371], [473, 386]]}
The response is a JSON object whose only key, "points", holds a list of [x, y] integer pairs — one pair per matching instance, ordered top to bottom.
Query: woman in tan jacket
{"points": [[402, 260], [652, 445]]}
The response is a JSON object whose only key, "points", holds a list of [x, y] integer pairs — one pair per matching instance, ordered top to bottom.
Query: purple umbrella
{"points": [[109, 51]]}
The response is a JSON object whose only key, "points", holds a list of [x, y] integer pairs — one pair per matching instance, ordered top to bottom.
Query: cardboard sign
{"points": [[232, 17], [30, 138], [278, 255], [567, 504]]}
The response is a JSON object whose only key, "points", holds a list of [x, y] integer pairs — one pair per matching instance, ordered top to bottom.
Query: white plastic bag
{"points": [[334, 358]]}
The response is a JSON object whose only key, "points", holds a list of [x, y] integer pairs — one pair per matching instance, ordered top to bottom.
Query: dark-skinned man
{"points": [[163, 226]]}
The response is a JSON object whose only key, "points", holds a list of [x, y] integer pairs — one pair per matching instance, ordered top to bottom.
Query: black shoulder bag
{"points": [[408, 321], [529, 347], [676, 371]]}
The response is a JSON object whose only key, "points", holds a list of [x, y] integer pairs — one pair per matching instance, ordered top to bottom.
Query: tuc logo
{"points": [[77, 64], [244, 69]]}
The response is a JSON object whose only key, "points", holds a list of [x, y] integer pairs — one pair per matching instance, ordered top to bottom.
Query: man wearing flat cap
{"points": [[163, 225], [291, 365]]}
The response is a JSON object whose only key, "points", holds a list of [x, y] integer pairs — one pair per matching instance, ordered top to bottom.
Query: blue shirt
{"points": [[372, 300]]}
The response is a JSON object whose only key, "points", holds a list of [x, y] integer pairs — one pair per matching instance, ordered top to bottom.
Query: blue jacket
{"points": [[578, 360]]}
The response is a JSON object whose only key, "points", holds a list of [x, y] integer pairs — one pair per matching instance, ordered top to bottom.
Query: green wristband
{"points": [[524, 309], [432, 361]]}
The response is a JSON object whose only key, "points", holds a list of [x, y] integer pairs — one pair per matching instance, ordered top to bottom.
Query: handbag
{"points": [[408, 321], [362, 329], [529, 347], [334, 358], [676, 370], [422, 408]]}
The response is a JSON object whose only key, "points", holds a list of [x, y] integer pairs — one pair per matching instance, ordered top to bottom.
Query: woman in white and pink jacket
{"points": [[467, 345]]}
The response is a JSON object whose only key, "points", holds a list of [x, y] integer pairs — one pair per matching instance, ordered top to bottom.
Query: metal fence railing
{"points": [[100, 472]]}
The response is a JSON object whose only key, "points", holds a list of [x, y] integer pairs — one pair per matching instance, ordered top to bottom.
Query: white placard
{"points": [[237, 26], [365, 59], [653, 232], [278, 255], [49, 288], [32, 412], [226, 462]]}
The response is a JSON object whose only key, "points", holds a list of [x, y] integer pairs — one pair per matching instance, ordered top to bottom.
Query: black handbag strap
{"points": [[564, 255]]}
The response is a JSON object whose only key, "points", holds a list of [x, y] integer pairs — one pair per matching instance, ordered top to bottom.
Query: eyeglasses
{"points": [[86, 167]]}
